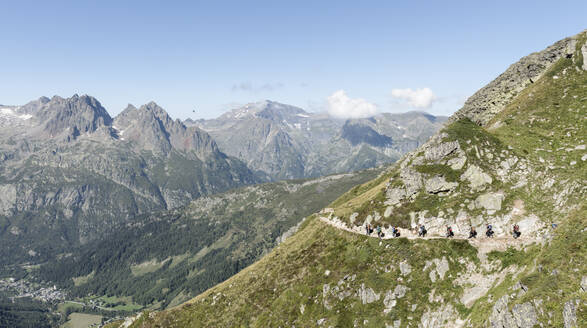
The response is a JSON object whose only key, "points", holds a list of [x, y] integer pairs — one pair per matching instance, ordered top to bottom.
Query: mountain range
{"points": [[286, 142], [69, 172]]}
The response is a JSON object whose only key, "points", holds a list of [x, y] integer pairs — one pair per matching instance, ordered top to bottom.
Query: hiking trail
{"points": [[483, 244]]}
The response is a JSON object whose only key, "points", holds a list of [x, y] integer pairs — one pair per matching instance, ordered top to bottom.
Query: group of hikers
{"points": [[369, 230], [449, 232], [489, 232]]}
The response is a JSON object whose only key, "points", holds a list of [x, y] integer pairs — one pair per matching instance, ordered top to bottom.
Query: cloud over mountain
{"points": [[418, 98], [342, 106]]}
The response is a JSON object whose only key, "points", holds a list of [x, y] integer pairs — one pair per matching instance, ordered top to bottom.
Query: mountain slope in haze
{"points": [[287, 142], [523, 163], [68, 172], [189, 249]]}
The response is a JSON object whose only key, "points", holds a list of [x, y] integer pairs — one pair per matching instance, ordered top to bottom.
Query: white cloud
{"points": [[419, 98], [341, 106]]}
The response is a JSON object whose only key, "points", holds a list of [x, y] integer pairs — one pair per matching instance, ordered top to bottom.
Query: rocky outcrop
{"points": [[493, 98], [440, 150], [476, 177], [439, 184], [405, 268], [441, 268], [367, 295], [391, 297], [570, 314], [521, 315], [442, 317]]}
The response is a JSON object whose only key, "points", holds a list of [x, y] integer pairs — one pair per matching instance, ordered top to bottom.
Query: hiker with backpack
{"points": [[369, 229], [379, 232], [395, 232], [422, 232], [449, 232], [472, 233], [489, 233], [516, 233]]}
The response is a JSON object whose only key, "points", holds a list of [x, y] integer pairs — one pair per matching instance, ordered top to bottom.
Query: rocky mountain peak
{"points": [[266, 109], [71, 116], [151, 127]]}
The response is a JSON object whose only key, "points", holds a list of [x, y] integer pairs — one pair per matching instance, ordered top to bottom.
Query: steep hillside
{"points": [[286, 142], [522, 163], [69, 172], [189, 249]]}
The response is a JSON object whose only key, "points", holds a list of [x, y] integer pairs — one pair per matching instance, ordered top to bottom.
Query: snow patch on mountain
{"points": [[8, 113]]}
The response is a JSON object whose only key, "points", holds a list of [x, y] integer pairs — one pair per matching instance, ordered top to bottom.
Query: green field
{"points": [[83, 320]]}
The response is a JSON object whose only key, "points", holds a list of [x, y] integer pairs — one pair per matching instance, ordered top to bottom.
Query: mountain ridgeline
{"points": [[286, 142], [514, 154]]}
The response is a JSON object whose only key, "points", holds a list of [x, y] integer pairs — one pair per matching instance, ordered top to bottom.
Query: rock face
{"points": [[491, 99], [73, 116], [287, 142], [440, 150], [69, 172], [521, 315]]}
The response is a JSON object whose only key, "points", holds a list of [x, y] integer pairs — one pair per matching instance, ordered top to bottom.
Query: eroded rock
{"points": [[441, 150], [476, 177], [439, 184], [490, 201], [367, 295], [391, 297], [570, 314], [522, 315], [440, 318]]}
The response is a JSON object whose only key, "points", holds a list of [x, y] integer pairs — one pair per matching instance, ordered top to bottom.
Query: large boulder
{"points": [[441, 150], [476, 177], [438, 184], [490, 201]]}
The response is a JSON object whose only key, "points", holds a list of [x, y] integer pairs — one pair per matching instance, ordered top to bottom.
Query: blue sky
{"points": [[209, 56]]}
